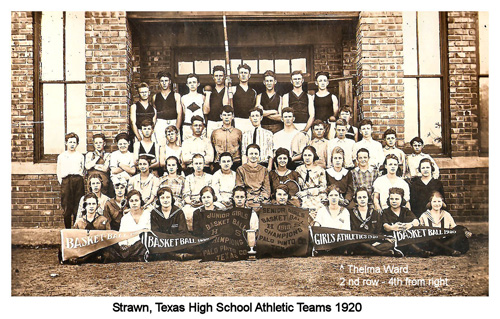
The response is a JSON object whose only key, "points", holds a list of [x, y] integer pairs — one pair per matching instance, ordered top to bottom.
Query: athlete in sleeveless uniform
{"points": [[215, 99], [243, 99], [270, 102], [301, 103], [192, 104], [326, 105], [168, 108], [141, 110]]}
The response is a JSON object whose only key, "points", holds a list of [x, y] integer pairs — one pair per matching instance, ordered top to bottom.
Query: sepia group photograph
{"points": [[182, 154]]}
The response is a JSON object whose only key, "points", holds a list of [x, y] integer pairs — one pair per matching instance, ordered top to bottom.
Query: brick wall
{"points": [[462, 34], [379, 40], [108, 55], [328, 58], [22, 86], [466, 193], [36, 201]]}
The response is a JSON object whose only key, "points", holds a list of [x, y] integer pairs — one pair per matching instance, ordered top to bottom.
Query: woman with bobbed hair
{"points": [[283, 174], [340, 176], [174, 180], [312, 181], [422, 187], [282, 197], [209, 202], [333, 215], [436, 216], [166, 217], [397, 217], [137, 218]]}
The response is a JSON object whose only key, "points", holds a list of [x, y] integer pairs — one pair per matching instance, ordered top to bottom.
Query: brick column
{"points": [[108, 52], [380, 70], [22, 86], [464, 86]]}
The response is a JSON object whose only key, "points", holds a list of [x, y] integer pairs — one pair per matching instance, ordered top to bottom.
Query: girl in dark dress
{"points": [[282, 174], [340, 176], [422, 187], [397, 217]]}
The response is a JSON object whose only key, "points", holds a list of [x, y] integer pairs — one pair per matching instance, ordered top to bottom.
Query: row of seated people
{"points": [[166, 217]]}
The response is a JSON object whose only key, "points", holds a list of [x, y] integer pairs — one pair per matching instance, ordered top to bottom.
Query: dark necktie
{"points": [[255, 136], [307, 176]]}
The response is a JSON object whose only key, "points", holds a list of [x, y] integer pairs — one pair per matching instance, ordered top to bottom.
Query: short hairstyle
{"points": [[244, 66], [218, 68], [296, 72], [269, 73], [320, 73], [163, 74], [192, 75], [142, 85], [346, 108], [227, 109], [256, 109], [287, 110], [197, 118], [147, 122], [318, 122], [340, 122], [365, 122], [171, 128], [389, 131], [72, 135], [99, 135], [121, 136], [416, 139], [256, 146], [312, 149], [339, 150], [364, 150], [282, 151], [223, 154], [198, 155], [390, 156], [146, 157], [426, 160], [177, 162], [94, 175], [333, 187], [284, 188], [239, 189], [210, 190], [359, 190], [161, 191], [398, 191], [132, 193], [435, 194], [88, 196]]}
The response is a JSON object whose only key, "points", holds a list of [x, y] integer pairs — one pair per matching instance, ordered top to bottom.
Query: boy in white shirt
{"points": [[70, 167]]}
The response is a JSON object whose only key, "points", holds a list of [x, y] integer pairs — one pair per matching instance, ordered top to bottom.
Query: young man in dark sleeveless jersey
{"points": [[243, 98], [215, 99], [270, 103], [301, 103], [326, 105], [168, 107], [141, 110]]}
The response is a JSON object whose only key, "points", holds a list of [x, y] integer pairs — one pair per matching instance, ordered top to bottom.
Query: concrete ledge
{"points": [[462, 162], [27, 168], [45, 236]]}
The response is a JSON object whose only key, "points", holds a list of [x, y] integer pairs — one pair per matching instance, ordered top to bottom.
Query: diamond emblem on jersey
{"points": [[194, 107]]}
